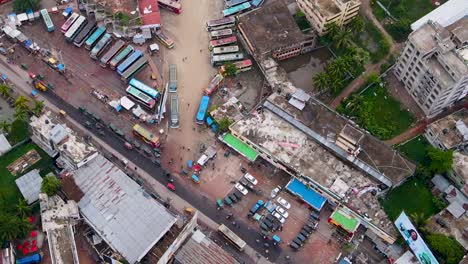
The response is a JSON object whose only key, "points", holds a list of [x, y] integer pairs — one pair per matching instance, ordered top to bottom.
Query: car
{"points": [[157, 162], [251, 178], [241, 188], [275, 192], [238, 196], [233, 198], [283, 202], [282, 211], [315, 215], [270, 217], [279, 217], [268, 223], [264, 227], [308, 229], [304, 232], [301, 237], [297, 241], [294, 246]]}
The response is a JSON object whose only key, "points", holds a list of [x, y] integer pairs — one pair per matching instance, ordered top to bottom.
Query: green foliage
{"points": [[20, 6], [124, 18], [301, 21], [357, 24], [399, 30], [383, 67], [230, 69], [371, 78], [5, 91], [21, 103], [38, 108], [212, 108], [224, 124], [5, 126], [19, 131], [416, 150], [440, 161], [50, 185], [439, 203], [22, 208], [419, 219], [446, 248]]}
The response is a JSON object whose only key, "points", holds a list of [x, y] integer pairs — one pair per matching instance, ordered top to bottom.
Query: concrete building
{"points": [[321, 13], [445, 14], [270, 31], [433, 65], [450, 132], [57, 139], [460, 172], [58, 218]]}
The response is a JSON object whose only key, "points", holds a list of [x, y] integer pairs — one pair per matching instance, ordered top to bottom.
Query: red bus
{"points": [[171, 5], [222, 42], [241, 66]]}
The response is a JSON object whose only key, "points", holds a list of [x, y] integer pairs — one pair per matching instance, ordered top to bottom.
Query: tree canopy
{"points": [[23, 5], [230, 69], [224, 124], [440, 161], [50, 185], [445, 248]]}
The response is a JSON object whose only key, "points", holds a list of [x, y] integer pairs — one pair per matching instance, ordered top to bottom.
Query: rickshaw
{"points": [[24, 66], [195, 178], [171, 187], [228, 201], [220, 203], [189, 210], [276, 239]]}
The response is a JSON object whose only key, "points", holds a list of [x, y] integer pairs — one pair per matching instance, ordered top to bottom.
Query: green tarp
{"points": [[240, 147]]}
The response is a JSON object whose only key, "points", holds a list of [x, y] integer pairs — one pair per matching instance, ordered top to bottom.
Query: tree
{"points": [[20, 6], [357, 24], [332, 30], [343, 39], [359, 55], [230, 69], [321, 81], [5, 91], [22, 102], [38, 108], [21, 114], [224, 124], [5, 126], [440, 161], [50, 185], [23, 209], [419, 219], [25, 227], [8, 228], [447, 248]]}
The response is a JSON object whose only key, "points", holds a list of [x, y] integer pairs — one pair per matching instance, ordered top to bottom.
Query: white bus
{"points": [[75, 28], [219, 34], [224, 50], [218, 60], [174, 111]]}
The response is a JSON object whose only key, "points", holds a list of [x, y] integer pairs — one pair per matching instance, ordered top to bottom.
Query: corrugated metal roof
{"points": [[445, 14], [30, 185], [117, 208]]}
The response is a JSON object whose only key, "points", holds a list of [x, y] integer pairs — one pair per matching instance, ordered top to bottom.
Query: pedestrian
{"points": [[201, 50]]}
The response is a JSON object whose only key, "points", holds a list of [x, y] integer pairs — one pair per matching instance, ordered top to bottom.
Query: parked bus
{"points": [[231, 3], [256, 3], [170, 5], [236, 9], [47, 21], [69, 22], [217, 24], [75, 28], [85, 32], [219, 34], [92, 40], [165, 40], [222, 42], [100, 46], [118, 46], [224, 50], [120, 57], [217, 60], [129, 61], [241, 66], [132, 70], [172, 78], [213, 85], [153, 93], [144, 99], [174, 111], [201, 113], [146, 136], [231, 237]]}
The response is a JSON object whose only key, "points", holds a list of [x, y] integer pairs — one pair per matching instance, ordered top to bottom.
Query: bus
{"points": [[231, 3], [256, 3], [170, 5], [236, 9], [47, 21], [69, 22], [217, 24], [75, 28], [85, 32], [219, 34], [92, 40], [165, 40], [222, 42], [100, 46], [224, 50], [111, 52], [120, 57], [217, 60], [129, 61], [241, 66], [132, 70], [172, 78], [213, 85], [153, 93], [145, 100], [174, 111], [201, 113], [146, 136], [230, 236]]}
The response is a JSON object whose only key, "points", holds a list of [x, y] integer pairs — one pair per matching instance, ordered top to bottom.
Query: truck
{"points": [[39, 85], [255, 207]]}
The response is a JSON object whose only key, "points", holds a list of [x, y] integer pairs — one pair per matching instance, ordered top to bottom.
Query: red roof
{"points": [[149, 12]]}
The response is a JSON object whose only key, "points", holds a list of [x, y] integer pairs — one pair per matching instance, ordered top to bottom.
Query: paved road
{"points": [[148, 172]]}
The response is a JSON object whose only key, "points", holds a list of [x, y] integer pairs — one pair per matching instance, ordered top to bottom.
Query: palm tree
{"points": [[357, 24], [332, 30], [343, 39], [359, 55], [321, 81], [336, 85], [5, 91], [22, 102], [38, 108], [21, 114], [5, 126], [23, 209], [419, 219], [25, 227], [9, 228]]}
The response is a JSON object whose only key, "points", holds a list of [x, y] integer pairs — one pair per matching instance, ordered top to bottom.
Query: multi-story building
{"points": [[321, 13], [433, 65], [450, 132]]}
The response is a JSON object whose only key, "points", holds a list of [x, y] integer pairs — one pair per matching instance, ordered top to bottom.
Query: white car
{"points": [[251, 178], [241, 188], [275, 192], [283, 202], [282, 211], [279, 217]]}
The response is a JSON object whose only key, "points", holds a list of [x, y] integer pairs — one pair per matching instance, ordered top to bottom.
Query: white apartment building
{"points": [[320, 13], [433, 65]]}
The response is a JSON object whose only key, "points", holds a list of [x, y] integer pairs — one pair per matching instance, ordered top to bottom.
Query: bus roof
{"points": [[235, 9], [220, 21], [98, 33], [112, 51], [122, 54], [128, 61], [144, 88], [203, 107], [145, 133], [232, 236]]}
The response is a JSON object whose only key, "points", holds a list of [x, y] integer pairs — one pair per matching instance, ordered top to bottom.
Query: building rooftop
{"points": [[326, 7], [149, 12], [445, 14], [270, 27], [460, 29], [439, 72], [449, 133], [4, 144], [460, 166], [30, 185], [124, 215], [58, 218], [200, 249]]}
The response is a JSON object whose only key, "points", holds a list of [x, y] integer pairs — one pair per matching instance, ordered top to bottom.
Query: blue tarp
{"points": [[28, 42], [60, 67], [209, 121], [190, 163], [195, 178], [309, 196]]}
